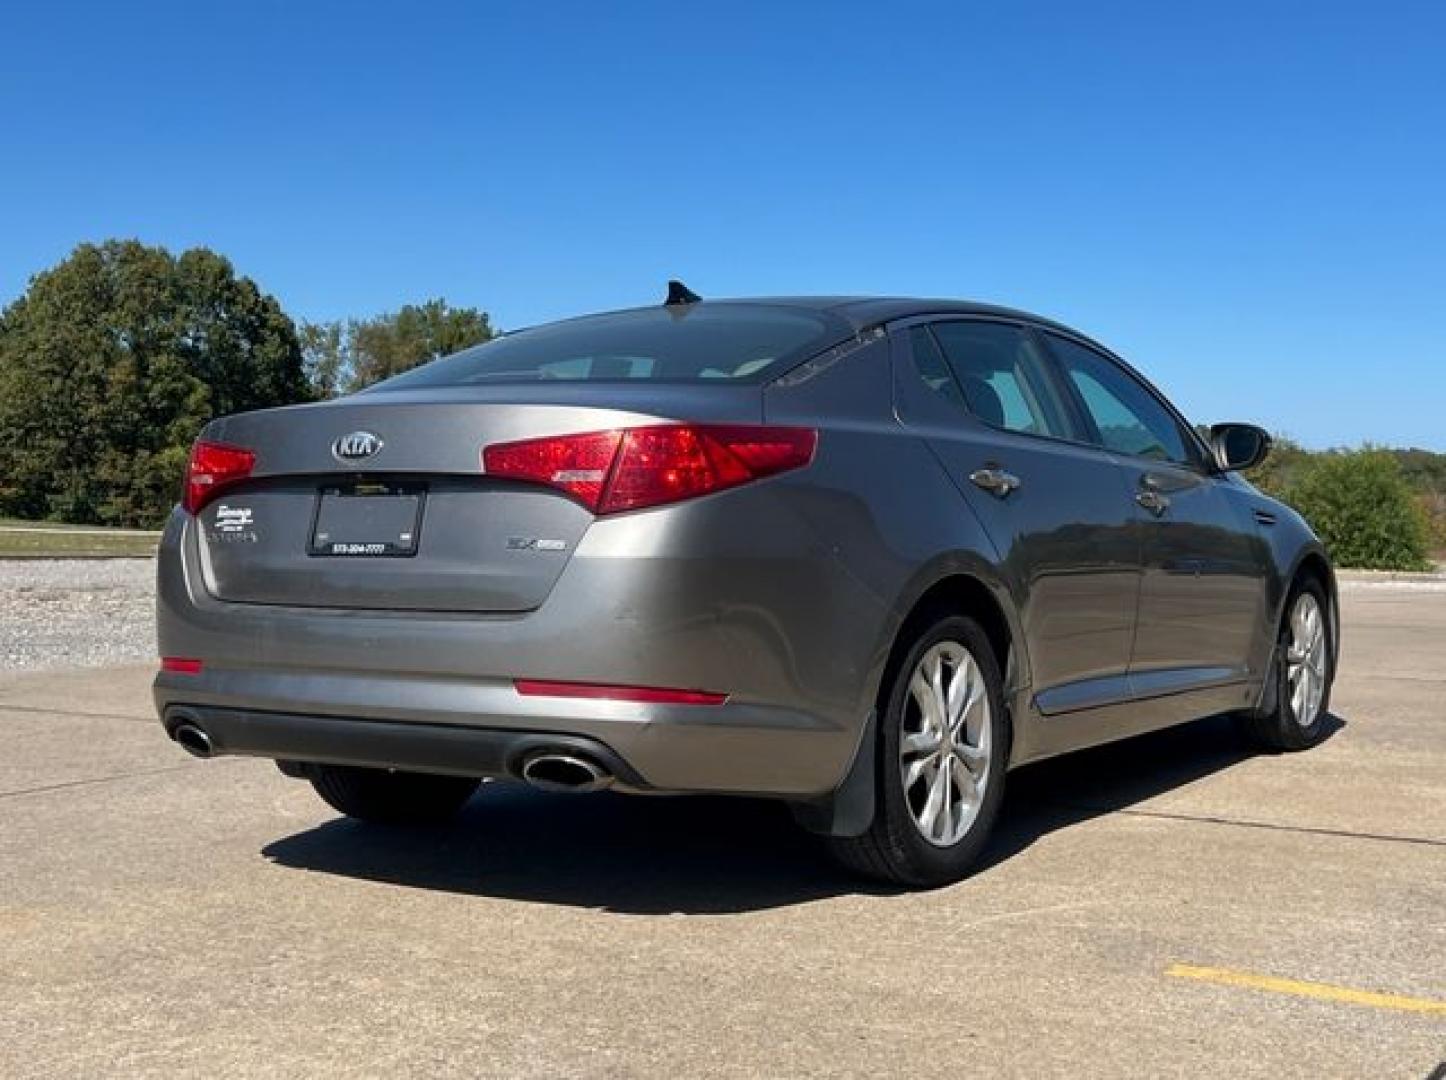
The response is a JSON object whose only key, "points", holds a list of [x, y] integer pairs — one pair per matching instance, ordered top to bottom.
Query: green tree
{"points": [[389, 344], [325, 355], [345, 356], [111, 363], [1362, 507]]}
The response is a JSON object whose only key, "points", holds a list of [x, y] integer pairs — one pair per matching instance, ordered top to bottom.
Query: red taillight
{"points": [[578, 464], [212, 469], [609, 471], [181, 665], [653, 695]]}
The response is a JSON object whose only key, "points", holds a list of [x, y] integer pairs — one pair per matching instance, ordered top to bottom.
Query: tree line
{"points": [[346, 355], [114, 359]]}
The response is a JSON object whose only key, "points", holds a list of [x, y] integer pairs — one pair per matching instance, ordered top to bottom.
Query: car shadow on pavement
{"points": [[636, 854], [703, 855]]}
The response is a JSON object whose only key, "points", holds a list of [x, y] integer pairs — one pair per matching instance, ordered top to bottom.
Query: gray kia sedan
{"points": [[860, 555]]}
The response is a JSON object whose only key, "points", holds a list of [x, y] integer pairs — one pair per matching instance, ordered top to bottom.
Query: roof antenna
{"points": [[678, 294]]}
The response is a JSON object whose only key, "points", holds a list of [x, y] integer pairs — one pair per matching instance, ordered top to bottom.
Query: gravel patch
{"points": [[59, 613]]}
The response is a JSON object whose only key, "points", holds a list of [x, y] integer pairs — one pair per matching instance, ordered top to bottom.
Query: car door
{"points": [[1057, 511], [1203, 591]]}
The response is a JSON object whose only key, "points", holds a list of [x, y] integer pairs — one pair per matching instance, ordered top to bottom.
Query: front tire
{"points": [[1304, 672], [943, 748], [385, 797]]}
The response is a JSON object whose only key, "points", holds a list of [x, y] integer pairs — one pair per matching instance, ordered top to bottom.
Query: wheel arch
{"points": [[1313, 564], [952, 587], [964, 588], [955, 594]]}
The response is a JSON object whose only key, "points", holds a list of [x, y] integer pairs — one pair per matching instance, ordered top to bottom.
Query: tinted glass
{"points": [[697, 343], [931, 365], [1004, 378], [1129, 418]]}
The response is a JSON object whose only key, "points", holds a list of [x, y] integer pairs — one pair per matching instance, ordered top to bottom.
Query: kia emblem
{"points": [[356, 446]]}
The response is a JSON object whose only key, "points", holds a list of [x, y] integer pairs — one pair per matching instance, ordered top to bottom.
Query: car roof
{"points": [[864, 311], [852, 314]]}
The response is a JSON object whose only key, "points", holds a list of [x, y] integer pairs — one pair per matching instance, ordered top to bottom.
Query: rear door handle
{"points": [[995, 481]]}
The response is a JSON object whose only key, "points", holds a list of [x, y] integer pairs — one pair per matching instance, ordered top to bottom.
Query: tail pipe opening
{"points": [[193, 740], [565, 772]]}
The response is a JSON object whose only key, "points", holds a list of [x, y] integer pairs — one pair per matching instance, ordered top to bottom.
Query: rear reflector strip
{"points": [[181, 665], [648, 694]]}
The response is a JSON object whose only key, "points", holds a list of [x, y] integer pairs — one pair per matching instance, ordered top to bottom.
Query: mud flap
{"points": [[1270, 689], [848, 810]]}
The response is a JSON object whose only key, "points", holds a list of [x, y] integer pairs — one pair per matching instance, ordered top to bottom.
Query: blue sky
{"points": [[1248, 200]]}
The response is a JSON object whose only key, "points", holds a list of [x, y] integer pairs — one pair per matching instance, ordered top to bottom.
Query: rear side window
{"points": [[697, 343], [932, 366], [1004, 378], [1129, 419]]}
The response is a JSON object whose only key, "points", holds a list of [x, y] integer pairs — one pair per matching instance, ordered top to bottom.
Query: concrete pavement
{"points": [[162, 916]]}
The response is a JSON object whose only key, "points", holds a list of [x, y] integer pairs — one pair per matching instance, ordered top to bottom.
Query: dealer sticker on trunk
{"points": [[233, 524]]}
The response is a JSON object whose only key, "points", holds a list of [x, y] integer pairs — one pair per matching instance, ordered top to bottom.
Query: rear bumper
{"points": [[683, 597], [483, 727], [434, 748]]}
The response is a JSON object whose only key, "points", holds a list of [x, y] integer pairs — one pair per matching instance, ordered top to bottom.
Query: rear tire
{"points": [[1304, 671], [938, 786], [385, 797]]}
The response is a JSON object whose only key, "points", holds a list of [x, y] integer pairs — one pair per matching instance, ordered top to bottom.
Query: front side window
{"points": [[1004, 378], [1127, 416]]}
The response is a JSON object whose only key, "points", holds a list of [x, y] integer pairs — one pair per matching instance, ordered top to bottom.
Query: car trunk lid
{"points": [[379, 501]]}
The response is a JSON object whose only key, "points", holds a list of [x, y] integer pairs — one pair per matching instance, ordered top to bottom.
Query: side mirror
{"points": [[1238, 446]]}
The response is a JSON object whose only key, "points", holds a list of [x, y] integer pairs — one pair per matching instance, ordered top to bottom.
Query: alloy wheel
{"points": [[1305, 659], [944, 746]]}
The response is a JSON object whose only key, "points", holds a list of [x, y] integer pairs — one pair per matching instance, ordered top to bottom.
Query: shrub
{"points": [[1284, 464], [1361, 506], [1433, 506]]}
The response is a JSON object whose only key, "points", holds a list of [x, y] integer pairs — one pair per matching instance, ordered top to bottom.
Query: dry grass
{"points": [[52, 540]]}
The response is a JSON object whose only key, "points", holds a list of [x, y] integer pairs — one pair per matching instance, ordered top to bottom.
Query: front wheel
{"points": [[1305, 671], [943, 743], [387, 797]]}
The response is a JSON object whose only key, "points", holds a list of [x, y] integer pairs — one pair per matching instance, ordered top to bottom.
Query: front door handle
{"points": [[995, 481], [1152, 501]]}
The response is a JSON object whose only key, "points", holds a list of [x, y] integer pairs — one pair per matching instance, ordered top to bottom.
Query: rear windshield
{"points": [[674, 344]]}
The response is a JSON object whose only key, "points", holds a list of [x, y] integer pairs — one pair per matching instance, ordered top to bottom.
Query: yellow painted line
{"points": [[1300, 988]]}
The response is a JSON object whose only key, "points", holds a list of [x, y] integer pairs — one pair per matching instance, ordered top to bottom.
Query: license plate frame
{"points": [[365, 519]]}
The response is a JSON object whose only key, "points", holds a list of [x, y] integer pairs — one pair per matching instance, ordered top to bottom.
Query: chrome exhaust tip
{"points": [[193, 741], [565, 772]]}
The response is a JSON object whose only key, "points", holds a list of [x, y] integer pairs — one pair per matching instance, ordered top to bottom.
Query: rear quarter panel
{"points": [[886, 514]]}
